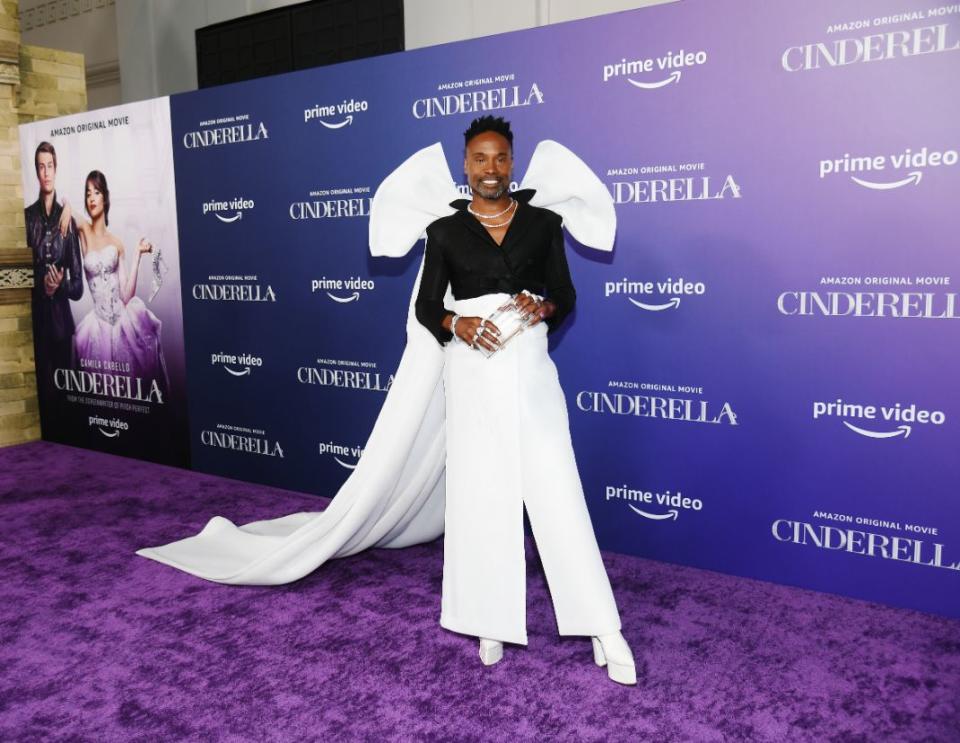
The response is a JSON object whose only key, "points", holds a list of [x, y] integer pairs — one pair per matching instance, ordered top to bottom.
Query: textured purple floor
{"points": [[99, 644]]}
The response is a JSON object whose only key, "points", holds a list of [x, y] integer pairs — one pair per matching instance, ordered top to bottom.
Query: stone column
{"points": [[35, 83], [19, 420]]}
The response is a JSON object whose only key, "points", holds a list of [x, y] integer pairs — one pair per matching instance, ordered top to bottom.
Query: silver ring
{"points": [[480, 331]]}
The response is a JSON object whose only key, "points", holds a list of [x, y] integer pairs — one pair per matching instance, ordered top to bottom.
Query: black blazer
{"points": [[461, 253], [52, 316]]}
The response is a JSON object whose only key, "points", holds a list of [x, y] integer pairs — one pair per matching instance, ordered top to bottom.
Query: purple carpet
{"points": [[99, 644]]}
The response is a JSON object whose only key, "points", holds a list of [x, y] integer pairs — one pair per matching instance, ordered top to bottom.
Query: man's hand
{"points": [[65, 217], [52, 281], [538, 310], [469, 331]]}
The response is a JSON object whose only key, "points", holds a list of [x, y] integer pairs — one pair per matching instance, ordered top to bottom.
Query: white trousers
{"points": [[508, 445]]}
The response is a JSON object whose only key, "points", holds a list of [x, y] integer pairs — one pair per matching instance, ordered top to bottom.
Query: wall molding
{"points": [[55, 11], [102, 74], [15, 258], [16, 278], [15, 296]]}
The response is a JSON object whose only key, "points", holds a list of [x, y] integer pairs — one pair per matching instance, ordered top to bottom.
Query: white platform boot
{"points": [[491, 651], [613, 652]]}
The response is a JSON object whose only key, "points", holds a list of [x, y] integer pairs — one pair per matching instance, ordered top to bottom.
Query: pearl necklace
{"points": [[478, 215], [499, 224]]}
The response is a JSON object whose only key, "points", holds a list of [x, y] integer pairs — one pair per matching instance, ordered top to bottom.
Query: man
{"points": [[57, 278], [507, 434], [463, 442]]}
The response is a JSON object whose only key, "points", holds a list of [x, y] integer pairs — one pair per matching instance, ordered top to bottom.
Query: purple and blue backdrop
{"points": [[758, 377]]}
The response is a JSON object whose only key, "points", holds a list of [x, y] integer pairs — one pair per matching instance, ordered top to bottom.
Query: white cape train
{"points": [[395, 497]]}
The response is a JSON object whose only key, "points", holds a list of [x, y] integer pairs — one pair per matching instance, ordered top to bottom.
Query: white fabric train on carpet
{"points": [[395, 496]]}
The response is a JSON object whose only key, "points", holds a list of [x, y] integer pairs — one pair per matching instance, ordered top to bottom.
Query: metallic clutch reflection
{"points": [[510, 322]]}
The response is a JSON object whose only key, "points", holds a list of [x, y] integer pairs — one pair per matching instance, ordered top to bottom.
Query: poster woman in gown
{"points": [[119, 333], [396, 496]]}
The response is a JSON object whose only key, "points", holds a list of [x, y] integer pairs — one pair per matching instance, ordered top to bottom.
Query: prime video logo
{"points": [[670, 64], [343, 112], [868, 170], [234, 209], [354, 284], [650, 289], [238, 365], [901, 417], [109, 427], [340, 450], [675, 502]]}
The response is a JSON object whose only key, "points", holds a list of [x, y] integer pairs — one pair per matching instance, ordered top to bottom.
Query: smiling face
{"points": [[488, 164]]}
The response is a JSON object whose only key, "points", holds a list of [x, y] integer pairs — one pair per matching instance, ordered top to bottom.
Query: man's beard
{"points": [[490, 193]]}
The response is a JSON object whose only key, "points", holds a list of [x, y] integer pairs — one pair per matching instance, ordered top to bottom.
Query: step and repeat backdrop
{"points": [[760, 376]]}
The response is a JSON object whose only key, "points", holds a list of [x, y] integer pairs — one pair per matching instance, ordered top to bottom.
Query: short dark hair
{"points": [[489, 124], [44, 147], [99, 181]]}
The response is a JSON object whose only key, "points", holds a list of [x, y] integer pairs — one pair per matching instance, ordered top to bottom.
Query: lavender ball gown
{"points": [[115, 332]]}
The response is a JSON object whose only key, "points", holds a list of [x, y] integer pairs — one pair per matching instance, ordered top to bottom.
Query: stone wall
{"points": [[35, 83], [51, 83]]}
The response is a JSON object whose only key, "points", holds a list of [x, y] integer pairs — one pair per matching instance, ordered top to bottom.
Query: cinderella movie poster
{"points": [[101, 222]]}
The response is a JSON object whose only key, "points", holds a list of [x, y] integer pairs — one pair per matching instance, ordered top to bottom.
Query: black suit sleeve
{"points": [[74, 279], [557, 279], [433, 287]]}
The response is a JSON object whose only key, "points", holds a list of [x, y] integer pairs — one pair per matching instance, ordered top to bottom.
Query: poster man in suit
{"points": [[57, 279]]}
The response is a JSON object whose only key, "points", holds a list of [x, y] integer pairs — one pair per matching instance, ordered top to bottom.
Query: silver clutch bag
{"points": [[509, 321]]}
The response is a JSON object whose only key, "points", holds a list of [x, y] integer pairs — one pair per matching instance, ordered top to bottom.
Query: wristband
{"points": [[453, 328]]}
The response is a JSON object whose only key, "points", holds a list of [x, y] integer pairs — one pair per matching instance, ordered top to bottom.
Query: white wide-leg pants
{"points": [[508, 445]]}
